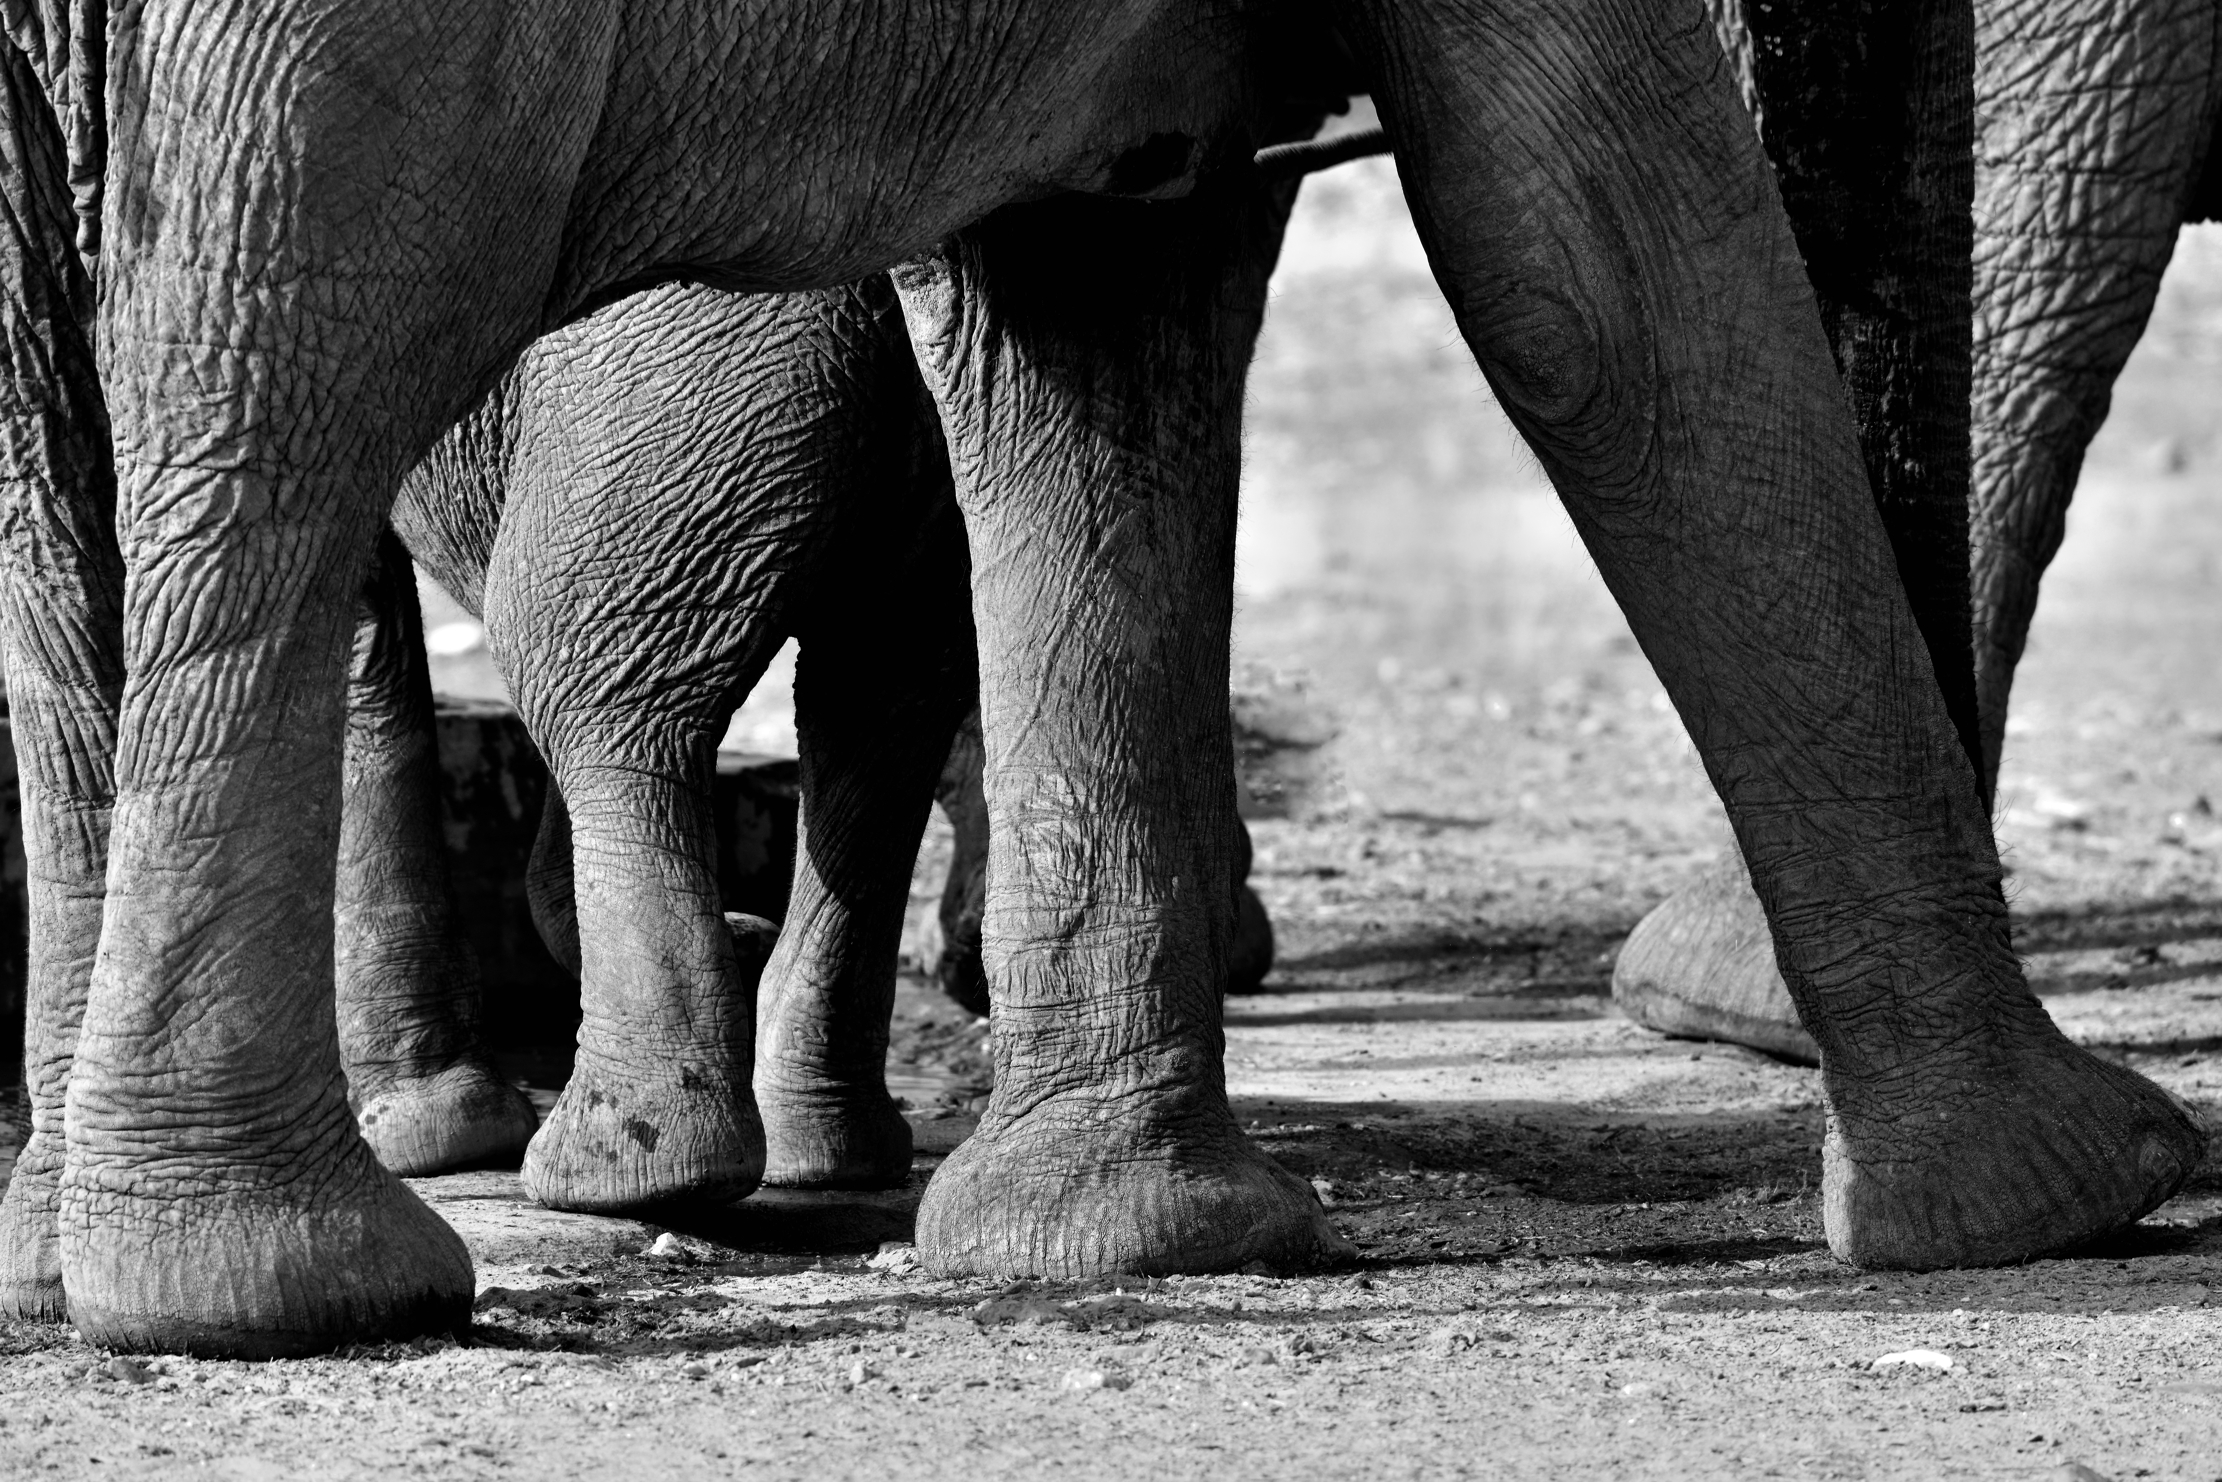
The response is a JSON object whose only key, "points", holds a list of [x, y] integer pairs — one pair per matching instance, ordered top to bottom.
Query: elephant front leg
{"points": [[2098, 124], [1884, 232], [318, 245], [1621, 266], [1088, 359], [61, 633], [879, 689], [424, 1094], [217, 1197]]}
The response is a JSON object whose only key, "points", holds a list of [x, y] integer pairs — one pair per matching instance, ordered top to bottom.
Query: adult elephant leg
{"points": [[2098, 121], [2095, 122], [1870, 136], [1596, 207], [274, 358], [1100, 508], [61, 636], [876, 704], [955, 963], [424, 1095]]}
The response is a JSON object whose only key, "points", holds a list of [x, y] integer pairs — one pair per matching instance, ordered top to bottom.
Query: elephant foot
{"points": [[1251, 956], [1702, 966], [463, 1116], [666, 1132], [832, 1137], [2039, 1150], [1072, 1189], [30, 1249], [292, 1267]]}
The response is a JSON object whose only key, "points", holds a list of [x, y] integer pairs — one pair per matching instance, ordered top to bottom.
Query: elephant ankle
{"points": [[463, 1115], [679, 1132], [820, 1135], [2029, 1147], [1073, 1189]]}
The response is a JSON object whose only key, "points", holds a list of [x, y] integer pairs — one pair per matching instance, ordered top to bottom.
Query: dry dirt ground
{"points": [[1585, 1252]]}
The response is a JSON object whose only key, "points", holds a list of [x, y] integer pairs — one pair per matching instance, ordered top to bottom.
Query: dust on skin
{"points": [[1584, 1251]]}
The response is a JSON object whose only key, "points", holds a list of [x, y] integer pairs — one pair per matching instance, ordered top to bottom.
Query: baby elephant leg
{"points": [[875, 707], [424, 1094]]}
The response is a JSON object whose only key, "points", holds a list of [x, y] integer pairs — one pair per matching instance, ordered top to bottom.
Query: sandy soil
{"points": [[1585, 1251]]}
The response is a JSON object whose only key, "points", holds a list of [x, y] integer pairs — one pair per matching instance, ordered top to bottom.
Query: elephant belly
{"points": [[807, 144]]}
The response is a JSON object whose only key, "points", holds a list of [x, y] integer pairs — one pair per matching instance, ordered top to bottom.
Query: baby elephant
{"points": [[650, 503]]}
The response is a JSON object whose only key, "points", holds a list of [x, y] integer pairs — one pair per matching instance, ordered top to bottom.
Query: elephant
{"points": [[2096, 130], [322, 233], [747, 467], [654, 499]]}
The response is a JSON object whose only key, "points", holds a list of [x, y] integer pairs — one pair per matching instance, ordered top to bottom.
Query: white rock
{"points": [[668, 1247], [1915, 1358]]}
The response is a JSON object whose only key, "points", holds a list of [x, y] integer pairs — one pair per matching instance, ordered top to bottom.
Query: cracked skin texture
{"points": [[2096, 124], [421, 246]]}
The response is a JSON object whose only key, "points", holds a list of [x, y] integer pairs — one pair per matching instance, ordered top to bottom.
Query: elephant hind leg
{"points": [[425, 1096], [656, 1112]]}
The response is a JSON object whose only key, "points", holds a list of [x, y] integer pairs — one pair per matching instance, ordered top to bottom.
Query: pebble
{"points": [[1326, 1192], [668, 1247], [1915, 1358], [129, 1370], [859, 1372], [1087, 1381]]}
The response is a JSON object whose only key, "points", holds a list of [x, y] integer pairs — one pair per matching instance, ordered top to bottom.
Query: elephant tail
{"points": [[1287, 161]]}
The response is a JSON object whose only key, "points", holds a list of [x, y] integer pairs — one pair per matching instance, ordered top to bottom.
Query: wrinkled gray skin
{"points": [[2096, 124], [330, 231], [648, 505], [645, 509], [953, 957]]}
